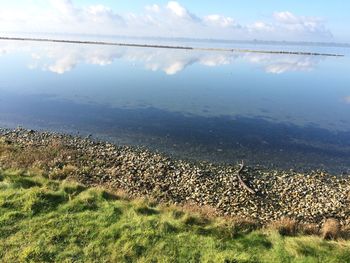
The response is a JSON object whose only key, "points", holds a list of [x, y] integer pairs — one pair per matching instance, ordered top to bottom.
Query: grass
{"points": [[44, 220]]}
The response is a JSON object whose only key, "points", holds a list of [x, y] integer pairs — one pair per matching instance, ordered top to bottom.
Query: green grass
{"points": [[42, 220]]}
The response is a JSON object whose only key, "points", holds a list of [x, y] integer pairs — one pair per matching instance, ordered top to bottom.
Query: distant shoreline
{"points": [[172, 47]]}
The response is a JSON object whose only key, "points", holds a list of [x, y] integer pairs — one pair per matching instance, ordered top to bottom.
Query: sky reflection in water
{"points": [[291, 111]]}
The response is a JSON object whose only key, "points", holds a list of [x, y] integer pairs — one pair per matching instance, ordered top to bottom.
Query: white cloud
{"points": [[63, 6], [153, 8], [178, 10], [286, 17], [92, 18], [170, 20], [219, 20], [301, 24], [261, 26], [288, 26]]}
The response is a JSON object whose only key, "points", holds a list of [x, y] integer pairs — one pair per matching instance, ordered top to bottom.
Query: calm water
{"points": [[287, 111]]}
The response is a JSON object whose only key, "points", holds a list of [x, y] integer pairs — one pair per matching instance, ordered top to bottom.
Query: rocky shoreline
{"points": [[306, 197]]}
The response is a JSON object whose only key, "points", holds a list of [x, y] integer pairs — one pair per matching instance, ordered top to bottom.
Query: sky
{"points": [[289, 20]]}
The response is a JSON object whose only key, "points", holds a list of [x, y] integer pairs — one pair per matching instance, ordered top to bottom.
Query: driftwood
{"points": [[243, 184]]}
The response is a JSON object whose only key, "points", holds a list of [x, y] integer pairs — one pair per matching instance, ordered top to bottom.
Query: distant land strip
{"points": [[172, 47]]}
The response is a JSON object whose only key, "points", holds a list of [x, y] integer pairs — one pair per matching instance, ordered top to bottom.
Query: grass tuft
{"points": [[43, 201], [147, 211], [194, 220], [285, 226], [308, 229], [330, 229]]}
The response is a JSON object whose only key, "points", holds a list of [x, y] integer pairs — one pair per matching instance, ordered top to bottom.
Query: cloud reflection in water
{"points": [[63, 58]]}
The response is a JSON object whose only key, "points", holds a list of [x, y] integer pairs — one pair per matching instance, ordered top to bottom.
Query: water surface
{"points": [[289, 111]]}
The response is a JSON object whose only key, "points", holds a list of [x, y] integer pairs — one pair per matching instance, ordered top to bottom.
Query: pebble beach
{"points": [[310, 197]]}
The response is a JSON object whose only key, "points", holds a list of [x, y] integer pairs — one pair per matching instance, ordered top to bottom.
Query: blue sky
{"points": [[232, 19]]}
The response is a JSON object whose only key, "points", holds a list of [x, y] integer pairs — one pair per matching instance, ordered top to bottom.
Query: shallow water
{"points": [[288, 111]]}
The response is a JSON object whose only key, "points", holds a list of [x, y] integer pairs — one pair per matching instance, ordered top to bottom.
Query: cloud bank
{"points": [[171, 20]]}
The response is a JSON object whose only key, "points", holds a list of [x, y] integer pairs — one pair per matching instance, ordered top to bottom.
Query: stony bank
{"points": [[274, 194]]}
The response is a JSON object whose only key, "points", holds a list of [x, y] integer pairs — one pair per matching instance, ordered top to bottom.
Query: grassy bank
{"points": [[59, 202], [43, 220]]}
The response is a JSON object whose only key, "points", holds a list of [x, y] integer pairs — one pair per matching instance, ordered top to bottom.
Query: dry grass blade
{"points": [[330, 229]]}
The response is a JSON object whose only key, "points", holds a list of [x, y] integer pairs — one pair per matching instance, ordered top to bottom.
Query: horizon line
{"points": [[87, 42], [292, 42]]}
